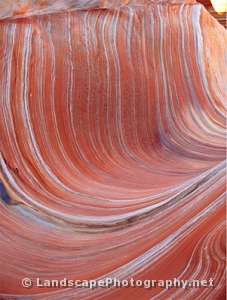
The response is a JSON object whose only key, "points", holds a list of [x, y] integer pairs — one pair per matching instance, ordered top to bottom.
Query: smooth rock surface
{"points": [[112, 141]]}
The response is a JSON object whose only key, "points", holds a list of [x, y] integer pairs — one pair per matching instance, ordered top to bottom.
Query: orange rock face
{"points": [[112, 142]]}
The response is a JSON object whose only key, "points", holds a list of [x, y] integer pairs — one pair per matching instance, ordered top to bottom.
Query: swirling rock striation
{"points": [[112, 141]]}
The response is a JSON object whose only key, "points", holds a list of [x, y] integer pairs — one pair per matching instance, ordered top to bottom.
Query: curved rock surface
{"points": [[112, 142]]}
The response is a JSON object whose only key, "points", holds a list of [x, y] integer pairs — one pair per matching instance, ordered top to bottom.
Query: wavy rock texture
{"points": [[112, 127]]}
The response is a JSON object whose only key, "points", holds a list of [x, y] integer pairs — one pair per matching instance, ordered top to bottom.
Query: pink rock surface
{"points": [[112, 142]]}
